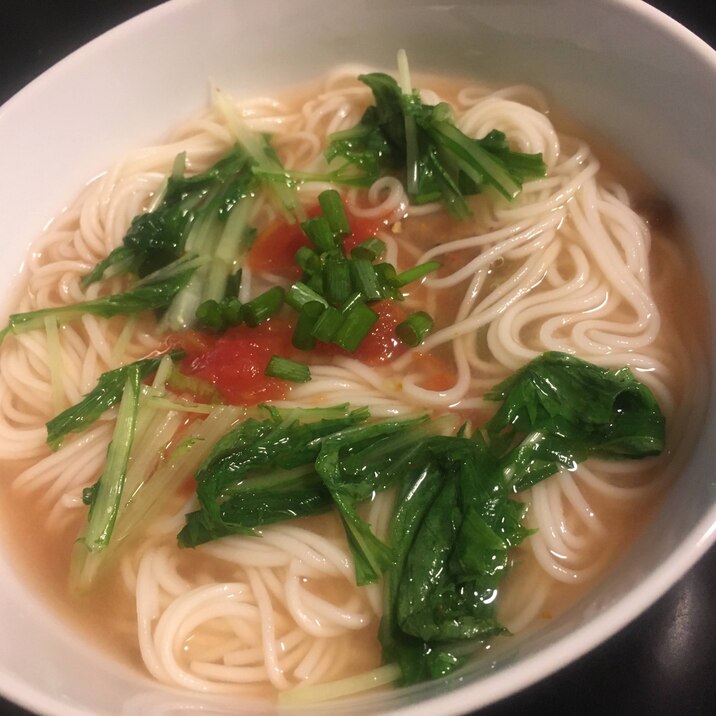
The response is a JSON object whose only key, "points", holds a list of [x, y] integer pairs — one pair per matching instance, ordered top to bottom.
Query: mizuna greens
{"points": [[436, 161], [190, 210], [205, 215], [185, 249], [155, 292], [103, 396], [559, 410], [309, 462], [124, 497], [455, 519]]}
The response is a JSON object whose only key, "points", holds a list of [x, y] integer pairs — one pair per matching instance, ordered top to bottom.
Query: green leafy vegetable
{"points": [[401, 134], [265, 162], [189, 204], [205, 215], [143, 297], [200, 389], [103, 396], [559, 410], [276, 443], [301, 463], [356, 463], [149, 481], [107, 494], [455, 519], [452, 531]]}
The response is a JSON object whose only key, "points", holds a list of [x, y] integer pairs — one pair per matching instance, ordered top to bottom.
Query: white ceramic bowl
{"points": [[620, 67]]}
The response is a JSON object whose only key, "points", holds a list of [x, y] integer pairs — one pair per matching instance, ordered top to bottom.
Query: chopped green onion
{"points": [[332, 208], [319, 232], [371, 249], [308, 260], [415, 273], [387, 275], [337, 278], [365, 279], [316, 284], [300, 294], [355, 298], [263, 307], [231, 308], [308, 314], [209, 315], [219, 315], [327, 324], [357, 325], [414, 328], [287, 369]]}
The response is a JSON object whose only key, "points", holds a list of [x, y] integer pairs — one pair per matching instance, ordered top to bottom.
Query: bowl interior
{"points": [[631, 80]]}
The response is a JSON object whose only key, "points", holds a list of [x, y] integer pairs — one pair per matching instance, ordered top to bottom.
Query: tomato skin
{"points": [[191, 342], [235, 361]]}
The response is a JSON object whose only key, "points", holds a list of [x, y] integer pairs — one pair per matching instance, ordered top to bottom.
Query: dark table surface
{"points": [[663, 663]]}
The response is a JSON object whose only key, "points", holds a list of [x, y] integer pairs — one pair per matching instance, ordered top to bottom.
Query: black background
{"points": [[663, 663]]}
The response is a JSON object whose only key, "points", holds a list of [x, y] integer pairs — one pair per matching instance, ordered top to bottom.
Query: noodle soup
{"points": [[579, 263]]}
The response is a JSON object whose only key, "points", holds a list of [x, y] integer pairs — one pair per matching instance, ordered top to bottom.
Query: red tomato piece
{"points": [[274, 250], [382, 344], [235, 361]]}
